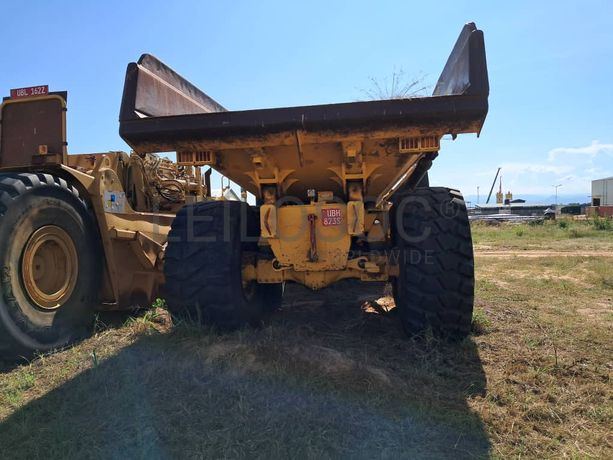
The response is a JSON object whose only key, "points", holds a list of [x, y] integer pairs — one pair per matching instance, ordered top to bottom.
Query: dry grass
{"points": [[562, 235], [547, 356], [336, 377], [321, 380]]}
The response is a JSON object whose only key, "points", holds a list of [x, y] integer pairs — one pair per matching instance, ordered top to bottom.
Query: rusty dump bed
{"points": [[162, 112]]}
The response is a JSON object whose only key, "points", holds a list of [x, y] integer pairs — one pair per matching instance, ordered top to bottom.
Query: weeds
{"points": [[602, 223], [576, 233], [159, 303], [156, 318], [480, 322], [94, 358], [14, 390]]}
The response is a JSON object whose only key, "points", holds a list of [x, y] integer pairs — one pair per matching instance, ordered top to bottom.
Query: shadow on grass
{"points": [[323, 379]]}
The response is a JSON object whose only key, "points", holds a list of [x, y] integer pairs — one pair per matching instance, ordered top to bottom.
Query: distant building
{"points": [[602, 192], [602, 197], [519, 209]]}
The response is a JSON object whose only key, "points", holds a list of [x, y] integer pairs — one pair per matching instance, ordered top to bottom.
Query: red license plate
{"points": [[30, 91], [331, 216]]}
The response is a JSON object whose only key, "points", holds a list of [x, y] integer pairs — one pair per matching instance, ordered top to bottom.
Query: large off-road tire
{"points": [[50, 264], [203, 266], [435, 287]]}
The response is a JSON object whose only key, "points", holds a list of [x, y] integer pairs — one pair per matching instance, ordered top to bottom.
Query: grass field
{"points": [[561, 235], [331, 377]]}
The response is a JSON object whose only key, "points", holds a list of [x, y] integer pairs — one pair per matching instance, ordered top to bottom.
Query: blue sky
{"points": [[550, 68]]}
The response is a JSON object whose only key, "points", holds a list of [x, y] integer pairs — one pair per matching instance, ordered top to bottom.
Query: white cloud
{"points": [[592, 150], [572, 167]]}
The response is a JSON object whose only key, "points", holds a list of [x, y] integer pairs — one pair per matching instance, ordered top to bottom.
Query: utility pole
{"points": [[493, 183], [556, 187], [477, 194]]}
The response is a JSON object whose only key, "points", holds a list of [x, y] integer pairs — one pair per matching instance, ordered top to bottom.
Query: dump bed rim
{"points": [[450, 113]]}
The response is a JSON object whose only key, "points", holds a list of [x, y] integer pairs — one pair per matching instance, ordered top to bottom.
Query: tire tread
{"points": [[439, 294]]}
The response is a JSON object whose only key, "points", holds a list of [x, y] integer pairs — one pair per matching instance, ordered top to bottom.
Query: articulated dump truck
{"points": [[341, 191]]}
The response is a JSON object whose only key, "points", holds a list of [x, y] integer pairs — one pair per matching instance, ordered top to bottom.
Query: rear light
{"points": [[419, 144]]}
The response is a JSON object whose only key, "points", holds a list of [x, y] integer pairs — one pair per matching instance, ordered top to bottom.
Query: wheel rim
{"points": [[49, 267]]}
